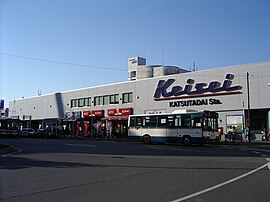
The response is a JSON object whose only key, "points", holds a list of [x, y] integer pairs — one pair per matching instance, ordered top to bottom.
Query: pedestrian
{"points": [[246, 132], [233, 133]]}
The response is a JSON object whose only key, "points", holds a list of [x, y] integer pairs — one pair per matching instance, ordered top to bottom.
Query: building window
{"points": [[133, 75], [127, 97], [106, 99], [114, 99], [98, 100], [81, 102], [87, 102], [74, 103]]}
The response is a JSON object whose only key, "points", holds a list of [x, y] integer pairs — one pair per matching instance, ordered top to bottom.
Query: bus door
{"points": [[135, 127], [173, 132]]}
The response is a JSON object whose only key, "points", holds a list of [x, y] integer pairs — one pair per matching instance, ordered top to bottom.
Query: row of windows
{"points": [[102, 100], [106, 100], [82, 102], [183, 120], [186, 120]]}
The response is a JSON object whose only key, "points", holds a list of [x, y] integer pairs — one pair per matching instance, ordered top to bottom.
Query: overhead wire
{"points": [[60, 62]]}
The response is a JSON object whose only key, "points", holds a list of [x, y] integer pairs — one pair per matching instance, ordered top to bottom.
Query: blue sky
{"points": [[105, 33]]}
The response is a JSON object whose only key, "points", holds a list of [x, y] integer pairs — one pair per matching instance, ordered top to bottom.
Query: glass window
{"points": [[133, 74], [127, 97], [106, 99], [114, 99], [98, 100], [87, 101], [81, 102], [74, 103], [170, 120], [177, 120], [186, 120], [139, 121], [150, 121], [197, 121], [132, 122]]}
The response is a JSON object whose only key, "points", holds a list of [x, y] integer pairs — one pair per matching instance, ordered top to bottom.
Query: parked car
{"points": [[27, 132], [43, 133]]}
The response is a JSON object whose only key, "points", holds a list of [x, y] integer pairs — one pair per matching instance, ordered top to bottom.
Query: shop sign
{"points": [[166, 91], [192, 103], [120, 111], [99, 113], [86, 114], [73, 115]]}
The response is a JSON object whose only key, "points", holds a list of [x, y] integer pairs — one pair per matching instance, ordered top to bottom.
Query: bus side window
{"points": [[177, 120], [186, 120], [139, 121], [150, 121], [162, 121], [171, 121], [197, 121], [132, 122]]}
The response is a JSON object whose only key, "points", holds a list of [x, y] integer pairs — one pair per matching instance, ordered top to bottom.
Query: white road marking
{"points": [[82, 145], [261, 150], [12, 153], [222, 184]]}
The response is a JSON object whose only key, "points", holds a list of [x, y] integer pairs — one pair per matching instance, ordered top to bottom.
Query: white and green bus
{"points": [[181, 126]]}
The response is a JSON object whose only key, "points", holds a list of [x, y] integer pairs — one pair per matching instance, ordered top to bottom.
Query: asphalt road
{"points": [[83, 170]]}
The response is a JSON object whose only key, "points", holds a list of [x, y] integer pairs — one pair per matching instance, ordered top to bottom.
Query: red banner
{"points": [[120, 111], [126, 111], [99, 113]]}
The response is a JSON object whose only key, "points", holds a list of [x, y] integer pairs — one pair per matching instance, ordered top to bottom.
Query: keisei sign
{"points": [[167, 90]]}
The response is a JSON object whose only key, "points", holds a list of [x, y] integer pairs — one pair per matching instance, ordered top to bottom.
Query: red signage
{"points": [[120, 111], [126, 111], [112, 112], [99, 113], [86, 114]]}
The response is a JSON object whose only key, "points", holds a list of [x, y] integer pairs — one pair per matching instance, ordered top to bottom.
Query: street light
{"points": [[248, 114]]}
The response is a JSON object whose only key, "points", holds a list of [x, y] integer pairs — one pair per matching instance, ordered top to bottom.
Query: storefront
{"points": [[240, 94], [117, 122], [92, 124]]}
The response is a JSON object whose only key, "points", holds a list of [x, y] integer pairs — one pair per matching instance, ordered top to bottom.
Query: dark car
{"points": [[27, 132], [43, 133]]}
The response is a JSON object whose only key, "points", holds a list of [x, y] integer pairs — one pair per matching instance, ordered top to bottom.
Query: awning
{"points": [[115, 118]]}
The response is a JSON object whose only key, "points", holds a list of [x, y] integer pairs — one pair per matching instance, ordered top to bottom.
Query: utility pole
{"points": [[248, 113]]}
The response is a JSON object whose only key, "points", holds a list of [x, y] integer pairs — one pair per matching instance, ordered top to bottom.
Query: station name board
{"points": [[166, 91], [192, 103]]}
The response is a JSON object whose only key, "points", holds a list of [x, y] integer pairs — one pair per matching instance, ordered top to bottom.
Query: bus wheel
{"points": [[146, 139], [186, 140]]}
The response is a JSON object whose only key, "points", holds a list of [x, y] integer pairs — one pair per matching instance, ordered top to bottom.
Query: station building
{"points": [[240, 94]]}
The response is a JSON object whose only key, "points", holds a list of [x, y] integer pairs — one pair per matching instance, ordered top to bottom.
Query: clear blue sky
{"points": [[105, 33]]}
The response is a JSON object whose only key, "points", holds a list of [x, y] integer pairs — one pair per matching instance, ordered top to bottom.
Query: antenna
{"points": [[39, 92]]}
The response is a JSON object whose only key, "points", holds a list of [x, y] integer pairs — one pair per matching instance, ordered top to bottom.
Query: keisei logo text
{"points": [[166, 90]]}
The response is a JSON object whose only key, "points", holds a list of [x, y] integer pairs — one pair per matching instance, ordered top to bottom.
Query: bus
{"points": [[181, 126], [9, 127]]}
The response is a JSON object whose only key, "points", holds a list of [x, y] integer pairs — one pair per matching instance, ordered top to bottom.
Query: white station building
{"points": [[240, 94]]}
